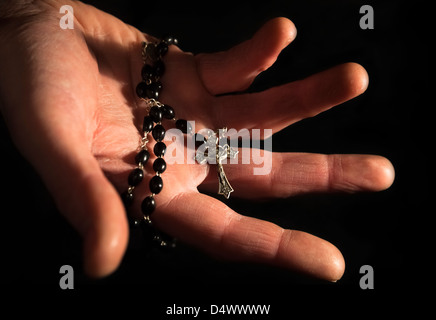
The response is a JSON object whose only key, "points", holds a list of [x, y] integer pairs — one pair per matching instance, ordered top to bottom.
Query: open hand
{"points": [[68, 98]]}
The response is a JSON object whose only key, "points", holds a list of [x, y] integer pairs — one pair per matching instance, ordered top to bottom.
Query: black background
{"points": [[378, 229]]}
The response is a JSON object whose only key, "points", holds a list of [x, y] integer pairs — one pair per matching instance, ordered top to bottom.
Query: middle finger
{"points": [[278, 107]]}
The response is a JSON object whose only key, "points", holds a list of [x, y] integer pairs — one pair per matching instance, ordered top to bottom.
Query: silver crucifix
{"points": [[214, 153]]}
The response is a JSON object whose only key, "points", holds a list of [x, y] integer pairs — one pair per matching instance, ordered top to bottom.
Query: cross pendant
{"points": [[213, 153]]}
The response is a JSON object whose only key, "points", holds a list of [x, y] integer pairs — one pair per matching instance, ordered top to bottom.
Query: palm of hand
{"points": [[84, 116]]}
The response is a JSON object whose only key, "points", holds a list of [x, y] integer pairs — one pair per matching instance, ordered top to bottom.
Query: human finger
{"points": [[235, 69], [279, 107], [209, 224]]}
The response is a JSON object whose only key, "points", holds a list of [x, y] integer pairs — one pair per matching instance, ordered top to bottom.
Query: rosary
{"points": [[211, 151]]}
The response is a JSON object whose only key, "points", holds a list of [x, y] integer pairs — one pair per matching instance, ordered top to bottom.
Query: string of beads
{"points": [[149, 90]]}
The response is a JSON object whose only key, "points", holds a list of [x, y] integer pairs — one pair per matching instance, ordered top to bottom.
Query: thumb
{"points": [[235, 69], [51, 124], [88, 201], [93, 206]]}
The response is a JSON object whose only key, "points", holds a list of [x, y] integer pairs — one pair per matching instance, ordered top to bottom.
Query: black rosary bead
{"points": [[170, 39], [162, 49], [159, 68], [147, 72], [157, 86], [141, 90], [152, 90], [168, 112], [156, 114], [148, 124], [183, 126], [158, 133], [159, 149], [142, 157], [159, 165], [135, 177], [156, 184], [148, 205]]}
